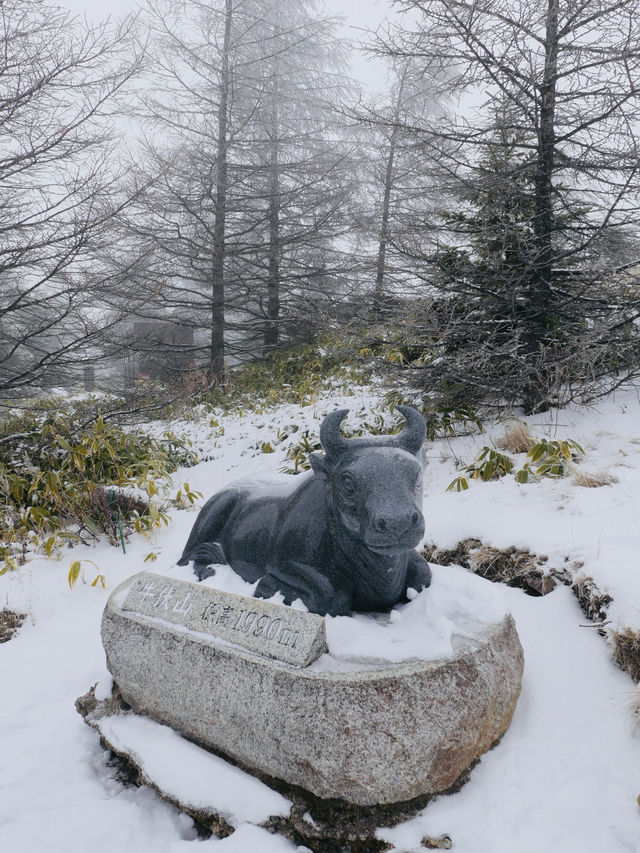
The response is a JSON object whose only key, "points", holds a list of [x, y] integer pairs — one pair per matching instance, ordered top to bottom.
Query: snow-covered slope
{"points": [[566, 775]]}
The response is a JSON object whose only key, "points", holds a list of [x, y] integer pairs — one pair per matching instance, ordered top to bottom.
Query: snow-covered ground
{"points": [[565, 777]]}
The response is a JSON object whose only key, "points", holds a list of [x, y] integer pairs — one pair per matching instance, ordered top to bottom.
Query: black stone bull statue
{"points": [[342, 540]]}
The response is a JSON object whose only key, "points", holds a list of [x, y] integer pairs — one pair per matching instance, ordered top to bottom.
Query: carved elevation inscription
{"points": [[269, 629]]}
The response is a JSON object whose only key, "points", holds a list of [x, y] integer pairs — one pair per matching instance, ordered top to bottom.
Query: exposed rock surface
{"points": [[370, 735]]}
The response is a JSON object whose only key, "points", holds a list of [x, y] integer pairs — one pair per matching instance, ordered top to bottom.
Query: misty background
{"points": [[446, 187]]}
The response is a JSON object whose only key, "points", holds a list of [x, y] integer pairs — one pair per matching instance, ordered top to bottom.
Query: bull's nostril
{"points": [[415, 518]]}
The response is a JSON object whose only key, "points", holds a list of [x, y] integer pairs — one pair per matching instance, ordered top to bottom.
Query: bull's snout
{"points": [[399, 524]]}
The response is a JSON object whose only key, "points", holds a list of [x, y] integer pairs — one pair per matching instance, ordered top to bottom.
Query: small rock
{"points": [[10, 622], [443, 842]]}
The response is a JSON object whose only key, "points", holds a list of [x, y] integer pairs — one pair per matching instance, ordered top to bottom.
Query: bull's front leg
{"points": [[418, 572], [308, 583]]}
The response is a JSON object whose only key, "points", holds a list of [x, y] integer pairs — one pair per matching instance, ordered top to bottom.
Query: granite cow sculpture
{"points": [[342, 540]]}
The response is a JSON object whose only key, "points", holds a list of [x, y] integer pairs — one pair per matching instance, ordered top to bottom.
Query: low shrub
{"points": [[289, 375], [441, 420], [552, 458], [490, 465], [62, 480], [593, 601], [10, 622], [626, 651]]}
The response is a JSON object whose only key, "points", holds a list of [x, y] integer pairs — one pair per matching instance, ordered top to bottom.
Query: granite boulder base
{"points": [[368, 734]]}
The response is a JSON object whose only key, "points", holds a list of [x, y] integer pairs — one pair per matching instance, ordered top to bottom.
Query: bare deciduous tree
{"points": [[400, 175], [251, 177], [59, 186]]}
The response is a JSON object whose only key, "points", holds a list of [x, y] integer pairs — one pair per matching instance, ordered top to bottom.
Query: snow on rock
{"points": [[454, 611], [104, 689], [188, 774]]}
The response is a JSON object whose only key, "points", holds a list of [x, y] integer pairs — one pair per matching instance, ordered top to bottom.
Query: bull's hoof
{"points": [[204, 556], [203, 570], [418, 575], [425, 580], [268, 586]]}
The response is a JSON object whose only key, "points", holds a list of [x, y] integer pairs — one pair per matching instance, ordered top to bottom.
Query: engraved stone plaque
{"points": [[272, 630]]}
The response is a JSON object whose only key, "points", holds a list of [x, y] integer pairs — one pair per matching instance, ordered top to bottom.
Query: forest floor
{"points": [[566, 775]]}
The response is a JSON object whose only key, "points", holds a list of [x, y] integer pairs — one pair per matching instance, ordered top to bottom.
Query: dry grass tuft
{"points": [[517, 438], [592, 479], [458, 556], [510, 566], [513, 567], [519, 568], [594, 602], [10, 621], [626, 651], [443, 842]]}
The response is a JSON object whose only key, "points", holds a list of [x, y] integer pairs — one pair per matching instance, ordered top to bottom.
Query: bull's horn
{"points": [[412, 436], [332, 440]]}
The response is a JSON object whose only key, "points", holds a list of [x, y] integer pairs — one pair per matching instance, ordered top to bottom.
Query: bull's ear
{"points": [[319, 464]]}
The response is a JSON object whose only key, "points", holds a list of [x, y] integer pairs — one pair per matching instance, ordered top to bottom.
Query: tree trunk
{"points": [[379, 290], [539, 296], [272, 331], [216, 362]]}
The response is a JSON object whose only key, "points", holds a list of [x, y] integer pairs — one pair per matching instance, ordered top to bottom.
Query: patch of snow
{"points": [[569, 524], [455, 610], [104, 688], [191, 775], [564, 777], [246, 839]]}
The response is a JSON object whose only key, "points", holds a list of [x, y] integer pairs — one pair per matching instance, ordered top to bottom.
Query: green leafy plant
{"points": [[293, 374], [441, 420], [372, 423], [298, 453], [544, 459], [550, 459], [490, 465], [64, 481], [459, 484], [186, 497], [76, 571]]}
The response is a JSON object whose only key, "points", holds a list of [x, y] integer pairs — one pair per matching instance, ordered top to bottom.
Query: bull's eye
{"points": [[348, 485]]}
